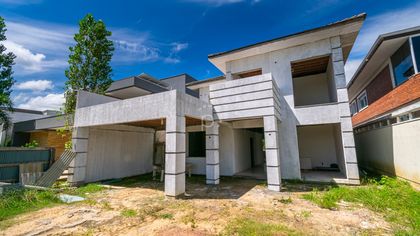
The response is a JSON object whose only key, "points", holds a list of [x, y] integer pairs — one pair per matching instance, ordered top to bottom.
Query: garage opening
{"points": [[313, 81], [321, 152]]}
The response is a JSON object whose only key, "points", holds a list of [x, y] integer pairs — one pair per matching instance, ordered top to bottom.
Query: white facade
{"points": [[249, 121]]}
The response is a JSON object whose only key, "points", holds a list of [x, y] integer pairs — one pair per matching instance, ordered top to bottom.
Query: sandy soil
{"points": [[142, 209]]}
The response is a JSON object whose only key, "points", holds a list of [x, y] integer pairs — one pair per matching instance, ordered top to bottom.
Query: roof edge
{"points": [[355, 18], [381, 38]]}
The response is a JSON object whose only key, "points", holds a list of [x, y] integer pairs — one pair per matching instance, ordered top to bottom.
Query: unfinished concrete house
{"points": [[280, 111]]}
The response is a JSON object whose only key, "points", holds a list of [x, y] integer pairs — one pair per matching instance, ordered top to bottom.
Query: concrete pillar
{"points": [[347, 137], [212, 153], [272, 153], [175, 156], [77, 168]]}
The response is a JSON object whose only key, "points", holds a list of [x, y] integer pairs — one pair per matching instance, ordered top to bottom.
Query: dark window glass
{"points": [[416, 47], [402, 64], [416, 114], [196, 144]]}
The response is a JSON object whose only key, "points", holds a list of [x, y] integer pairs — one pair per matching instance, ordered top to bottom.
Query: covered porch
{"points": [[115, 138]]}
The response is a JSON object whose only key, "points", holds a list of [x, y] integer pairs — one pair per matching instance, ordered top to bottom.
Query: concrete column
{"points": [[347, 138], [212, 153], [272, 153], [175, 156], [77, 168]]}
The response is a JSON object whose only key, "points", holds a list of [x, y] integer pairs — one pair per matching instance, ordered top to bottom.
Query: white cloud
{"points": [[376, 25], [38, 46], [42, 46], [177, 47], [134, 51], [24, 57], [28, 62], [35, 85], [52, 101]]}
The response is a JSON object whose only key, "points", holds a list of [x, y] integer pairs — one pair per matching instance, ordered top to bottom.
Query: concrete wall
{"points": [[278, 63], [311, 89], [244, 98], [318, 143], [242, 148], [393, 150], [114, 152], [227, 152]]}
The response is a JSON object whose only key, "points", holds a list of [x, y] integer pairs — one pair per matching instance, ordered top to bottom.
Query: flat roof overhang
{"points": [[347, 29], [135, 86], [146, 111], [47, 123]]}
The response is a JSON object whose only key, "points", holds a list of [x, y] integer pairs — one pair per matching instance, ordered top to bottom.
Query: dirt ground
{"points": [[142, 209]]}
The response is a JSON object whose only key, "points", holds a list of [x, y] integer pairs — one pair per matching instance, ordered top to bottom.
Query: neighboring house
{"points": [[385, 105], [280, 111], [18, 115], [44, 131]]}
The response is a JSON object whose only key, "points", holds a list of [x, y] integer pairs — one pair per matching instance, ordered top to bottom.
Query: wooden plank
{"points": [[56, 170]]}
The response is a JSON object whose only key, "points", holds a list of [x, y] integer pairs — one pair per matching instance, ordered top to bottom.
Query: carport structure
{"points": [[132, 123]]}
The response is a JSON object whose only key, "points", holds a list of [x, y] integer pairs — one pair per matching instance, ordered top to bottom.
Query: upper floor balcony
{"points": [[251, 97]]}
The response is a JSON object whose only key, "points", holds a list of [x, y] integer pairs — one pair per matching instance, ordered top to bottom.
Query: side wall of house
{"points": [[391, 149]]}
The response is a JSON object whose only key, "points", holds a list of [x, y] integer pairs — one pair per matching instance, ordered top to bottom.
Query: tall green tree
{"points": [[89, 61], [6, 77]]}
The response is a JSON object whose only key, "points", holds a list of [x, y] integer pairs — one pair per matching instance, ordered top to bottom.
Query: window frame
{"points": [[410, 47], [413, 55], [362, 94], [354, 103]]}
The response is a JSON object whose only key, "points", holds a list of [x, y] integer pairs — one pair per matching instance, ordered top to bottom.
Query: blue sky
{"points": [[165, 38]]}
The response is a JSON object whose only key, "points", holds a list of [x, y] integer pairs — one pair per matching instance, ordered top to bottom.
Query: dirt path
{"points": [[144, 210]]}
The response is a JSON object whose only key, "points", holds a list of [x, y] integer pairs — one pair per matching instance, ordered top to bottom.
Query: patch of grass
{"points": [[130, 181], [85, 190], [395, 199], [285, 200], [20, 201], [106, 206], [128, 213], [305, 214], [166, 216], [190, 218], [249, 227]]}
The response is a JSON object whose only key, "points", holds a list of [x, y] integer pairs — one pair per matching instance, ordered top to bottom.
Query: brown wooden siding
{"points": [[380, 85], [51, 139]]}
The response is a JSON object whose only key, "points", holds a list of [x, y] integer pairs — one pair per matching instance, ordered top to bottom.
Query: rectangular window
{"points": [[416, 49], [402, 64], [362, 101], [353, 107], [415, 114], [404, 117], [197, 144]]}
